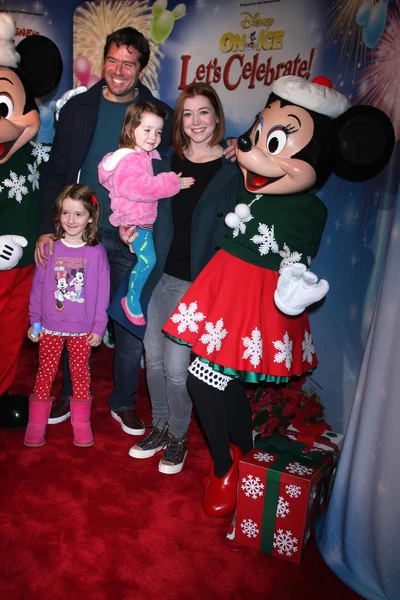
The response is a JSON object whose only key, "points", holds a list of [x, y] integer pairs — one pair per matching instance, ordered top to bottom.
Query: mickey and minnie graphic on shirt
{"points": [[65, 268]]}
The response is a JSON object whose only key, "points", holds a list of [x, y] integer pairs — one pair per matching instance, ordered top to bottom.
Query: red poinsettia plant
{"points": [[275, 406]]}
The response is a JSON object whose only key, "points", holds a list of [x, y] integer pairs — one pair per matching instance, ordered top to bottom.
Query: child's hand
{"points": [[186, 182], [127, 234], [33, 336], [93, 339]]}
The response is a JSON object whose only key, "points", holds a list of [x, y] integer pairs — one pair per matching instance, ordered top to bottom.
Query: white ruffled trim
{"points": [[205, 373]]}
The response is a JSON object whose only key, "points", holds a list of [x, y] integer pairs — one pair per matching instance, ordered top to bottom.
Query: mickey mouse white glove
{"points": [[67, 96], [11, 250], [298, 288]]}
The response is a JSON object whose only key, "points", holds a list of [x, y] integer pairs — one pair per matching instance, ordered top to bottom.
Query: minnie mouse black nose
{"points": [[244, 143]]}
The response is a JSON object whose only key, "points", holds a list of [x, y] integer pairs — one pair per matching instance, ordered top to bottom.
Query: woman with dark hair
{"points": [[188, 231]]}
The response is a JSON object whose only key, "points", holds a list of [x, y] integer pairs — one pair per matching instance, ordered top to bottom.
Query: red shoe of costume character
{"points": [[220, 495]]}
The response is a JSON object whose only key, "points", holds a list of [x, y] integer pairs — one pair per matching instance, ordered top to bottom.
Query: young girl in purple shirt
{"points": [[68, 304]]}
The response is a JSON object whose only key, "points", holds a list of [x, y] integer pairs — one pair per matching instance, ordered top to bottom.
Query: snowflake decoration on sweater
{"points": [[40, 152], [33, 176], [17, 188], [241, 228], [266, 239], [289, 258], [188, 317], [214, 336], [253, 347], [308, 347], [285, 353], [263, 457], [297, 469], [252, 487], [294, 491], [283, 507], [249, 528], [285, 543]]}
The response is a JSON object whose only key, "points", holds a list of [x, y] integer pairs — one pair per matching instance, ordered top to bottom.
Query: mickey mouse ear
{"points": [[41, 64], [364, 143]]}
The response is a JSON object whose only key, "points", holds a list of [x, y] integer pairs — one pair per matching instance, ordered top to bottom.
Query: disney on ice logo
{"points": [[260, 34], [265, 39]]}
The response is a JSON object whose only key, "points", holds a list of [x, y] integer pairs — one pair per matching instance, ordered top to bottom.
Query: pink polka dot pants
{"points": [[49, 356]]}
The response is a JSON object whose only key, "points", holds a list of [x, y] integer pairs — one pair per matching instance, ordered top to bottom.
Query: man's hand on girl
{"points": [[186, 182], [127, 234], [40, 256], [93, 339]]}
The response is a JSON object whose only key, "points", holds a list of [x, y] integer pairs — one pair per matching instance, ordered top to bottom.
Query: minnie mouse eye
{"points": [[6, 106], [257, 134], [276, 141]]}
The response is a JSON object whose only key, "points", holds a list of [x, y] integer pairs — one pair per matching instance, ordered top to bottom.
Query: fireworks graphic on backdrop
{"points": [[93, 21], [344, 30], [380, 82]]}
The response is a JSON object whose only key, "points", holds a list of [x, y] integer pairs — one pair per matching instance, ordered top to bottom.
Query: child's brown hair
{"points": [[132, 119], [85, 194]]}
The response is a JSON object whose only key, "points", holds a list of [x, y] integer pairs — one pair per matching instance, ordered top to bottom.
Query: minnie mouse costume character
{"points": [[30, 71], [244, 314]]}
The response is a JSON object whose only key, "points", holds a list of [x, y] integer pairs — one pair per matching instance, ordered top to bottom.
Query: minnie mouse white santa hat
{"points": [[317, 95]]}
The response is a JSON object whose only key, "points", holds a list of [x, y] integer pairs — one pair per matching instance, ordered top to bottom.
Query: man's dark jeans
{"points": [[128, 348]]}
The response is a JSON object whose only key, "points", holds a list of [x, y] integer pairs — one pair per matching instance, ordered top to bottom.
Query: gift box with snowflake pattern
{"points": [[280, 498]]}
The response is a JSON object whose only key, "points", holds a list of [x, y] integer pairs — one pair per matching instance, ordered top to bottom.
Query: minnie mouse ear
{"points": [[41, 64], [364, 143]]}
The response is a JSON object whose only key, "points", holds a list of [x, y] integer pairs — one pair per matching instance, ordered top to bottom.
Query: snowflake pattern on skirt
{"points": [[229, 317]]}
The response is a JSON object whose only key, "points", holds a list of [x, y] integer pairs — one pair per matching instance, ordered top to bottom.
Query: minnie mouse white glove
{"points": [[67, 96], [11, 250], [298, 288]]}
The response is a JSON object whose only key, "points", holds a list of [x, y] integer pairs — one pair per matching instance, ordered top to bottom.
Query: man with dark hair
{"points": [[128, 36], [89, 127]]}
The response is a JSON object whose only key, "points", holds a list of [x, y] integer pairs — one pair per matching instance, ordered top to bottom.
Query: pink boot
{"points": [[39, 411], [80, 419]]}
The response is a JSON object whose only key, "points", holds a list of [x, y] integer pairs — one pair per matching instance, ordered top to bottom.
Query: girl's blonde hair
{"points": [[132, 118], [180, 140], [85, 194]]}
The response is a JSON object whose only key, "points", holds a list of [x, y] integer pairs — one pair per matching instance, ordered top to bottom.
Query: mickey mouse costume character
{"points": [[30, 71], [244, 314]]}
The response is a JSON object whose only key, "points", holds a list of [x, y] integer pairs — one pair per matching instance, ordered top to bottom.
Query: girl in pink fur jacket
{"points": [[135, 191]]}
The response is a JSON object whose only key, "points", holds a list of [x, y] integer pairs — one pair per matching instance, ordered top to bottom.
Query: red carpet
{"points": [[95, 524]]}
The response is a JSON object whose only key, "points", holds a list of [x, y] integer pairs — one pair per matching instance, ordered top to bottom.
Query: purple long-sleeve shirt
{"points": [[73, 292]]}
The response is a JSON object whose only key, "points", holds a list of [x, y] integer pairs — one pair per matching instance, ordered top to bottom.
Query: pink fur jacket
{"points": [[134, 189]]}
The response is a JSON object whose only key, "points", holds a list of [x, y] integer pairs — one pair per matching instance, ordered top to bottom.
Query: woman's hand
{"points": [[186, 182], [128, 233], [40, 256], [93, 339]]}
